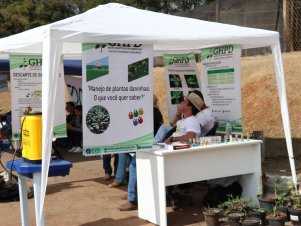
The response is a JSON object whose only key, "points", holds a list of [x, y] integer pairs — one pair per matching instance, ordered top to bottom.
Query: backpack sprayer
{"points": [[32, 137]]}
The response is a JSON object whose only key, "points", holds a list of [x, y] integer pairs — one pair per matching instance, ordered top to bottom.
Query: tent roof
{"points": [[119, 23]]}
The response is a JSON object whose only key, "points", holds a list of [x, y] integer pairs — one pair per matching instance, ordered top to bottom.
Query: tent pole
{"points": [[50, 72], [284, 107]]}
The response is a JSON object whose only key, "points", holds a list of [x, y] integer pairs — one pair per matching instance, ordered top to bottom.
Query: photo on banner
{"points": [[181, 77], [221, 85], [74, 88], [26, 92], [117, 98]]}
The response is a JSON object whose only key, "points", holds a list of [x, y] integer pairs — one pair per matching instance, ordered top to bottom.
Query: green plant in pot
{"points": [[293, 193], [266, 201], [282, 203], [237, 204], [236, 209], [295, 211], [258, 213], [212, 216], [276, 217], [236, 218], [251, 221]]}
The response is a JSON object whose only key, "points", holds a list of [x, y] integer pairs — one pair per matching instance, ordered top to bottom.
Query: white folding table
{"points": [[157, 169]]}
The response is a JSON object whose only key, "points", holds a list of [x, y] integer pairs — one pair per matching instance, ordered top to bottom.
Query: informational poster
{"points": [[181, 77], [221, 82], [3, 84], [26, 84], [74, 88], [117, 98], [59, 121]]}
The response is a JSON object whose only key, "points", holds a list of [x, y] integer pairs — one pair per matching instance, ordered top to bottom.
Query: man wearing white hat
{"points": [[204, 116], [188, 127]]}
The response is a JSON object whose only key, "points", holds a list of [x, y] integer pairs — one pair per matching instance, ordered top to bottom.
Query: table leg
{"points": [[151, 188], [162, 191], [37, 192], [23, 200]]}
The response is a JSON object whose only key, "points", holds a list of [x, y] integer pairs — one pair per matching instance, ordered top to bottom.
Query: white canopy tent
{"points": [[115, 23]]}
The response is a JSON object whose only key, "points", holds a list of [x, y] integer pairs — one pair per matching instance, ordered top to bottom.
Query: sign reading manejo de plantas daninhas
{"points": [[181, 76], [221, 84], [26, 91], [117, 97]]}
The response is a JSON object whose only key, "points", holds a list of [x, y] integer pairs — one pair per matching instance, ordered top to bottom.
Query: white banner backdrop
{"points": [[181, 77], [26, 83], [221, 83], [74, 88], [117, 98]]}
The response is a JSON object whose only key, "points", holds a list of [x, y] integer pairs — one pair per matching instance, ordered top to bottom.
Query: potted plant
{"points": [[266, 201], [282, 202], [236, 205], [236, 209], [295, 211], [258, 213], [212, 216], [276, 217], [235, 218], [251, 221]]}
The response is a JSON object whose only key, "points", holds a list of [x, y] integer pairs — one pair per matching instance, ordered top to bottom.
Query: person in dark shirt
{"points": [[158, 119], [76, 130]]}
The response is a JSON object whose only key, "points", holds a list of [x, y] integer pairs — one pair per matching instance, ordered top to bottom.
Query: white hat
{"points": [[196, 100]]}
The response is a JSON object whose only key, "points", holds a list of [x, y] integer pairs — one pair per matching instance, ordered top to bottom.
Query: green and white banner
{"points": [[181, 77], [221, 82], [26, 84], [117, 98], [59, 121]]}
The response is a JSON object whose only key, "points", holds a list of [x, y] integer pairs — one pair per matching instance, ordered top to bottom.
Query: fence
{"points": [[292, 24]]}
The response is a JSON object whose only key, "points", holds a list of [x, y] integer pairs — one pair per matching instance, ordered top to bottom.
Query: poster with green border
{"points": [[181, 77], [221, 84], [26, 91], [117, 98]]}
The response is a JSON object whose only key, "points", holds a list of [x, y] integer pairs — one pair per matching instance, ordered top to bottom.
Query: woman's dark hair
{"points": [[71, 103], [79, 107]]}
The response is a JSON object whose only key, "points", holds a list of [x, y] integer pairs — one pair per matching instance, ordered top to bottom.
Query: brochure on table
{"points": [[221, 82], [26, 83], [117, 97]]}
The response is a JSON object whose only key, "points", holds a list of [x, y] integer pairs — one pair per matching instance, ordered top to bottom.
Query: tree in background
{"points": [[20, 15]]}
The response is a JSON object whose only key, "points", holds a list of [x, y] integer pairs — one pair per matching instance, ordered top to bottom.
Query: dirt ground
{"points": [[83, 199]]}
